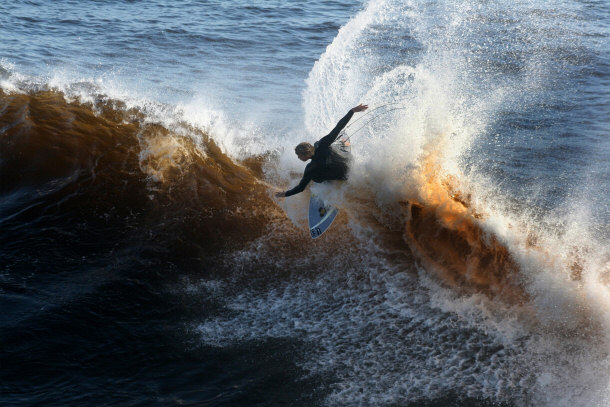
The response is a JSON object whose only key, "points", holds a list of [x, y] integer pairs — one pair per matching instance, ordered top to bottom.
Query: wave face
{"points": [[144, 259]]}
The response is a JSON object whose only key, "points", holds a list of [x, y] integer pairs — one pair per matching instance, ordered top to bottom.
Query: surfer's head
{"points": [[304, 151]]}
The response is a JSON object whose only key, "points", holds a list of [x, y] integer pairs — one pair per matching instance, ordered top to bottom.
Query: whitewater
{"points": [[146, 261]]}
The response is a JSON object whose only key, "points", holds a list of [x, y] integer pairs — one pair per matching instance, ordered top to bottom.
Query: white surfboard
{"points": [[321, 216]]}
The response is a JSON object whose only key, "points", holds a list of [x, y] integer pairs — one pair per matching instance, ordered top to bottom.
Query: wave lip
{"points": [[72, 161]]}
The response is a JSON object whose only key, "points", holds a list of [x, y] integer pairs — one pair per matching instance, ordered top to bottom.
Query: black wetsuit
{"points": [[327, 163]]}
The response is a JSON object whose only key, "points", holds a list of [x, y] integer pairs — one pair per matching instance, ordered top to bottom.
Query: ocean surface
{"points": [[145, 261]]}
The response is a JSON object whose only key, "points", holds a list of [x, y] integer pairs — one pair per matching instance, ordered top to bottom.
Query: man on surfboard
{"points": [[326, 164]]}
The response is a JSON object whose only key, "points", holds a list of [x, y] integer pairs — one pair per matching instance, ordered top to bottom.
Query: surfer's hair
{"points": [[304, 148]]}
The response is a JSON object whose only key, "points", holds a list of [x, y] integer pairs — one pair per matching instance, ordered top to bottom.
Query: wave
{"points": [[67, 161], [64, 163], [101, 174]]}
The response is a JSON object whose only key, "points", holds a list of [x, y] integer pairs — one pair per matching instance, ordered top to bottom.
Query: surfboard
{"points": [[321, 216]]}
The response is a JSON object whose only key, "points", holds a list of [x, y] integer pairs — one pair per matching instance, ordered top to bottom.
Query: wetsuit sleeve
{"points": [[327, 140], [301, 187]]}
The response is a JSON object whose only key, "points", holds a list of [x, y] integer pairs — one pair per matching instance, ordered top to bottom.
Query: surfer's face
{"points": [[303, 157]]}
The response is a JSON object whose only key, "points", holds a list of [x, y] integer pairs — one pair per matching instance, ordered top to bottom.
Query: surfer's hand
{"points": [[360, 108], [280, 194]]}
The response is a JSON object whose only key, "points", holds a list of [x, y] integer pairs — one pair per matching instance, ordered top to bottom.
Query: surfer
{"points": [[327, 163]]}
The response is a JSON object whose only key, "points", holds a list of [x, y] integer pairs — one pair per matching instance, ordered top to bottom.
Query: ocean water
{"points": [[144, 259]]}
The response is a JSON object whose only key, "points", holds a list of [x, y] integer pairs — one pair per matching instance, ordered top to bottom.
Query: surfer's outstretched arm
{"points": [[327, 140], [298, 189]]}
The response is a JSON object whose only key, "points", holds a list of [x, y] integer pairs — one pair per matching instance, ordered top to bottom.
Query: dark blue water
{"points": [[239, 53], [144, 260]]}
